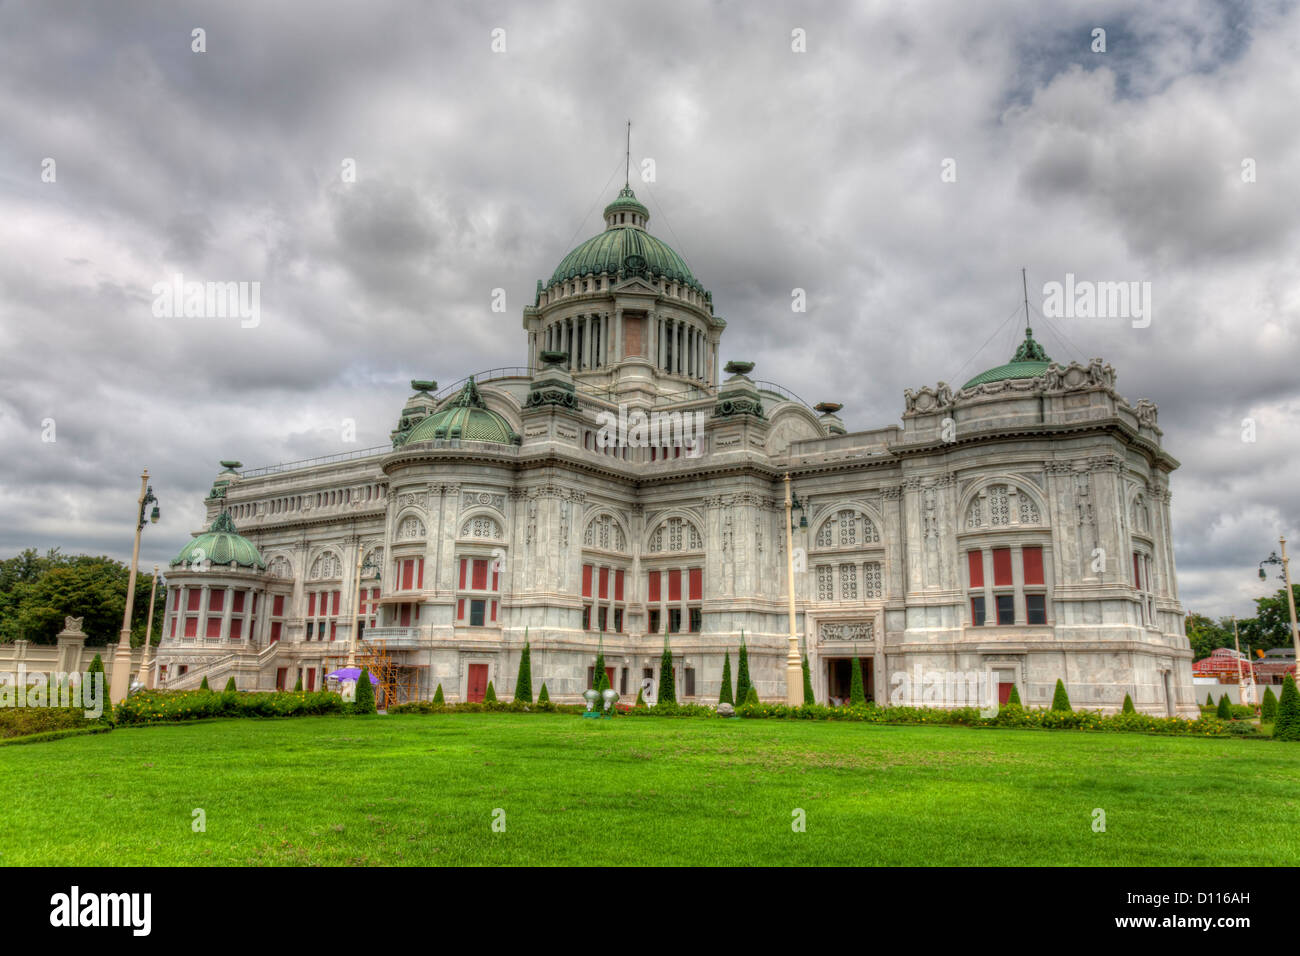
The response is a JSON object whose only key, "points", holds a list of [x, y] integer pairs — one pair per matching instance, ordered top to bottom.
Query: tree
{"points": [[1271, 625], [1206, 635], [97, 667], [599, 679], [524, 682], [743, 682], [203, 684], [230, 685], [297, 686], [667, 686], [725, 695], [857, 695], [437, 696], [491, 696], [808, 696], [543, 697], [751, 697], [1014, 697], [640, 698], [365, 699], [1209, 699], [1061, 700], [1268, 706], [1128, 707], [1224, 710], [1287, 724]]}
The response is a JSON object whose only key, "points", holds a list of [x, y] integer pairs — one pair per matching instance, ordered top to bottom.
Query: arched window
{"points": [[1002, 505], [482, 527], [410, 528], [847, 529], [604, 532], [676, 534], [326, 566]]}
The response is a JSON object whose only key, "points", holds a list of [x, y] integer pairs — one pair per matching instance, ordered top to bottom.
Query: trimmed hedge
{"points": [[159, 706], [498, 707], [25, 721]]}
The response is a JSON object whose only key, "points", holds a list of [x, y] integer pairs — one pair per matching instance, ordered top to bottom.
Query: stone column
{"points": [[618, 335], [204, 597], [227, 606]]}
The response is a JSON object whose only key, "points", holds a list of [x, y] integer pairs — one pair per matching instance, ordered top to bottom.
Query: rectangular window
{"points": [[975, 561], [464, 563], [1033, 565], [1001, 567], [1137, 571], [419, 574], [408, 575], [586, 580], [479, 583], [604, 584], [675, 584], [697, 584], [618, 586], [654, 588], [217, 596], [192, 602], [336, 603], [311, 604], [238, 606], [278, 606], [1006, 608], [1036, 608], [476, 609], [977, 611], [460, 612], [602, 615], [586, 617], [618, 620], [675, 620], [697, 620], [654, 621], [191, 627], [214, 627], [236, 628], [310, 630], [334, 630], [275, 631], [311, 678], [690, 682]]}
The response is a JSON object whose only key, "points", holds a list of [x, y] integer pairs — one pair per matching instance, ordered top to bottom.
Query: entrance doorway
{"points": [[839, 679], [478, 681]]}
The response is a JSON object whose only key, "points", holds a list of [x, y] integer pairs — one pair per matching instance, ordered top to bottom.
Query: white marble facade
{"points": [[1056, 471]]}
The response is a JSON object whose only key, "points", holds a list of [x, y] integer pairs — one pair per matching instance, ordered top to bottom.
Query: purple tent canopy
{"points": [[350, 673]]}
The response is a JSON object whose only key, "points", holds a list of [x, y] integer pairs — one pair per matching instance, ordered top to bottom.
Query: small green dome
{"points": [[626, 247], [1030, 361], [467, 418], [220, 544]]}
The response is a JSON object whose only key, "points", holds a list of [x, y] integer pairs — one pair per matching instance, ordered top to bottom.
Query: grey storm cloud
{"points": [[774, 170]]}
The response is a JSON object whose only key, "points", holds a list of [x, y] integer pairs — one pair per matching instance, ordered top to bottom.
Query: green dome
{"points": [[627, 248], [1030, 361], [467, 418], [220, 544]]}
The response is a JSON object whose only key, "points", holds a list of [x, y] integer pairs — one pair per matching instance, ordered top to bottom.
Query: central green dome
{"points": [[625, 246], [1030, 361], [466, 417], [221, 544]]}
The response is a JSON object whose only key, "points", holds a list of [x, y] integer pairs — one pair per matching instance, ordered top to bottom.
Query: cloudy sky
{"points": [[774, 169]]}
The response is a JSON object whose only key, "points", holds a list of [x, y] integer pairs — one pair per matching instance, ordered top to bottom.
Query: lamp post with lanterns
{"points": [[1290, 595], [356, 602], [793, 665], [146, 672], [121, 681]]}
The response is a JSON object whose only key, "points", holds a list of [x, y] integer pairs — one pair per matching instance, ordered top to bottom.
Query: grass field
{"points": [[422, 790]]}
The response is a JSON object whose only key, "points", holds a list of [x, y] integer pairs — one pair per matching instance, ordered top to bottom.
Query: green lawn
{"points": [[422, 790]]}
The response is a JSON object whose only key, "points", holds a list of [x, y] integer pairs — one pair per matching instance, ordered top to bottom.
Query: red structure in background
{"points": [[1222, 666]]}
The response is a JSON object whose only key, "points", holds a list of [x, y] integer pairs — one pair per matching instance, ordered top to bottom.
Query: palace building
{"points": [[1017, 527]]}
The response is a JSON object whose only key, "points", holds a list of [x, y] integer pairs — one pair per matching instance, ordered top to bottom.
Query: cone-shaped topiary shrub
{"points": [[97, 667], [742, 670], [524, 682], [203, 684], [667, 685], [230, 686], [297, 687], [725, 695], [857, 695], [437, 696], [491, 696], [808, 696], [543, 697], [751, 697], [1014, 697], [640, 698], [1209, 699], [365, 700], [1061, 700], [1268, 706], [1128, 707], [1224, 710], [1287, 724]]}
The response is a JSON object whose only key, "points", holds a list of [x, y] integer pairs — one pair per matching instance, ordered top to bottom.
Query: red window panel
{"points": [[976, 561], [464, 563], [1033, 565], [1001, 566], [1137, 572], [408, 575], [419, 577], [496, 577], [586, 580], [479, 582], [604, 582], [697, 584], [618, 585], [675, 585], [654, 587], [217, 596], [336, 602], [361, 602], [192, 603], [311, 604], [238, 606], [277, 609], [254, 610], [460, 610], [494, 610], [417, 614], [405, 617], [191, 627], [214, 627], [236, 628], [334, 630], [275, 631], [173, 634], [311, 678]]}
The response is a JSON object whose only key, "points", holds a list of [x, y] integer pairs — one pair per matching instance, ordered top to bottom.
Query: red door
{"points": [[406, 615], [609, 672], [478, 682], [1004, 691]]}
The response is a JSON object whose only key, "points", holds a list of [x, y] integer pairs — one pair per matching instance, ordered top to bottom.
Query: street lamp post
{"points": [[1290, 595], [356, 604], [122, 659], [793, 666], [146, 672]]}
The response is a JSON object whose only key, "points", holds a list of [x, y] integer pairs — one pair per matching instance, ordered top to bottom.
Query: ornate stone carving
{"points": [[928, 399], [1146, 412], [72, 625], [845, 631]]}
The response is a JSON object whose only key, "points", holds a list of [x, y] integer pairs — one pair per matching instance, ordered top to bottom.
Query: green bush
{"points": [[97, 667], [742, 671], [524, 682], [667, 683], [203, 684], [230, 686], [297, 687], [724, 695], [857, 695], [437, 696], [491, 696], [808, 696], [544, 697], [751, 697], [365, 699], [640, 699], [1013, 699], [1060, 699], [1209, 699], [158, 706], [1268, 706], [1128, 707], [1224, 710], [24, 721], [1286, 726]]}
